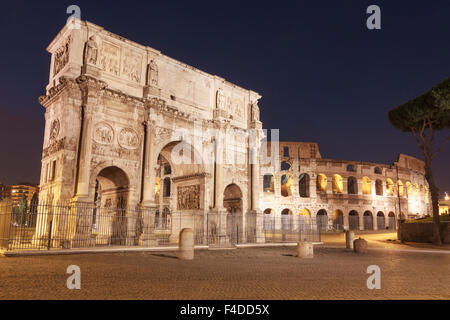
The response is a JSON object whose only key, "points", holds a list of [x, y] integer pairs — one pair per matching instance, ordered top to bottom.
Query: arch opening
{"points": [[321, 182], [338, 184], [286, 185], [303, 185], [366, 186], [322, 219], [338, 220], [353, 220], [368, 220], [381, 221]]}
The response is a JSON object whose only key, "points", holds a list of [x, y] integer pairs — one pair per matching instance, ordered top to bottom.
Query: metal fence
{"points": [[83, 225], [290, 228]]}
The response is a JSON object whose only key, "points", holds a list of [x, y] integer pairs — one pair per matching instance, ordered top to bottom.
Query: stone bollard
{"points": [[349, 237], [186, 245], [360, 245], [305, 250]]}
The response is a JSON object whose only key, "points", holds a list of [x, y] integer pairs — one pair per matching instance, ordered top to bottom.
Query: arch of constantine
{"points": [[138, 143]]}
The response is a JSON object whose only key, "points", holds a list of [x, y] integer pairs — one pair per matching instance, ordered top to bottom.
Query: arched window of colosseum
{"points": [[285, 166], [351, 168], [378, 170], [321, 182], [268, 183], [338, 184], [286, 185], [303, 185], [352, 185], [366, 185], [157, 186], [166, 186], [378, 187], [389, 187], [400, 189], [408, 189], [416, 190], [304, 212], [304, 218], [286, 219], [322, 219], [338, 220], [353, 220], [368, 220], [381, 221], [391, 221], [269, 222]]}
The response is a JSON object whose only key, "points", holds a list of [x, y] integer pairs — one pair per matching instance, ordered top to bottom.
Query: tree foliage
{"points": [[431, 108], [423, 116]]}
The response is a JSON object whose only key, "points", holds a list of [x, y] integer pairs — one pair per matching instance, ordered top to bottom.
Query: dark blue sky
{"points": [[323, 75]]}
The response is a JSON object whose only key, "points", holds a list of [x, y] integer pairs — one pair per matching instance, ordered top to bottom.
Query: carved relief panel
{"points": [[61, 57], [110, 58], [131, 65], [103, 133], [128, 139], [188, 197]]}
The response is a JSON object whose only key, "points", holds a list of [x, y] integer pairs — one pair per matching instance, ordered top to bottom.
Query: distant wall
{"points": [[422, 232]]}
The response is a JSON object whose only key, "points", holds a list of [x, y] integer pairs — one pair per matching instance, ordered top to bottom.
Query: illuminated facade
{"points": [[20, 190], [340, 194]]}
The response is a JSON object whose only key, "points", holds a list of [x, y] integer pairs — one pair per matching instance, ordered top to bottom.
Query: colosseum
{"points": [[340, 194]]}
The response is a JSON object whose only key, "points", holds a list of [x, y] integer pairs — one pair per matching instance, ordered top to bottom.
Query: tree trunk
{"points": [[434, 203]]}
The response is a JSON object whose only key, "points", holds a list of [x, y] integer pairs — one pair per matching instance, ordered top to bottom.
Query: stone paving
{"points": [[250, 273]]}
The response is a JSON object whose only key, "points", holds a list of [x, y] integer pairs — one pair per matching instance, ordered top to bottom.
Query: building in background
{"points": [[23, 189], [5, 191], [341, 194], [444, 205]]}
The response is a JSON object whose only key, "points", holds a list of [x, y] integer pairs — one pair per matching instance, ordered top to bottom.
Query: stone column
{"points": [[91, 90], [85, 157], [149, 173], [256, 190], [219, 210], [361, 220], [375, 220], [346, 222]]}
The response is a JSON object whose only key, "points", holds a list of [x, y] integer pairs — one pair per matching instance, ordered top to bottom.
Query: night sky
{"points": [[323, 75]]}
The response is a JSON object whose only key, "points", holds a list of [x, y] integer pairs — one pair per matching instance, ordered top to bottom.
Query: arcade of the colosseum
{"points": [[114, 110], [341, 194]]}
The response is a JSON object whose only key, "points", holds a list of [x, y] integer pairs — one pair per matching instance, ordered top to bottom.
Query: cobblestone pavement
{"points": [[380, 239], [251, 273]]}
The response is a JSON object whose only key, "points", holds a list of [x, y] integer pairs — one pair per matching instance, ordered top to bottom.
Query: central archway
{"points": [[232, 202]]}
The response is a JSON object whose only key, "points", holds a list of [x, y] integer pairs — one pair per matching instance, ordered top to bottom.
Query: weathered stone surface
{"points": [[349, 238], [186, 245], [360, 245], [305, 250]]}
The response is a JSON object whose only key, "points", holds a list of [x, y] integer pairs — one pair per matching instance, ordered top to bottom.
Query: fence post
{"points": [[49, 243]]}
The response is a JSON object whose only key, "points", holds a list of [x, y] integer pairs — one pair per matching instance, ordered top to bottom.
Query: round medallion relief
{"points": [[104, 133], [128, 139]]}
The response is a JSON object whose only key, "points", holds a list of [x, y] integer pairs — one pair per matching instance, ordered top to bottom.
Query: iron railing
{"points": [[47, 226]]}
